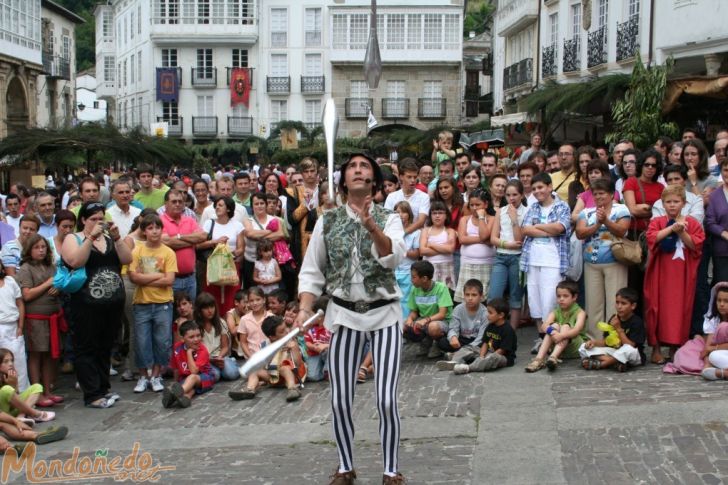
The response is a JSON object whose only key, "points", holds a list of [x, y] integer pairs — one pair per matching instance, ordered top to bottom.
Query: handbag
{"points": [[627, 252], [203, 255], [221, 269], [69, 280]]}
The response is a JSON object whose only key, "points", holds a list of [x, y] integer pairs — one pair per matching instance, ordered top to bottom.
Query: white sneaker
{"points": [[536, 346], [445, 364], [461, 369], [113, 372], [127, 375], [141, 384], [157, 385]]}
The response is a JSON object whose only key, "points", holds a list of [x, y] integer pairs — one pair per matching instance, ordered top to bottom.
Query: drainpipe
{"points": [[652, 26], [538, 48]]}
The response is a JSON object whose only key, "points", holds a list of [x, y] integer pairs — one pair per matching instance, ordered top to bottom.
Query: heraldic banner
{"points": [[167, 84], [240, 86]]}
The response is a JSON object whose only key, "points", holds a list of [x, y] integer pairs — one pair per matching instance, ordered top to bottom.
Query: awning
{"points": [[711, 88], [511, 119], [482, 139]]}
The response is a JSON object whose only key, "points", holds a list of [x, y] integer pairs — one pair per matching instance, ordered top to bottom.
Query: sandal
{"points": [[552, 363], [591, 364], [535, 365], [711, 374], [361, 377], [242, 394], [56, 399], [45, 403], [102, 403], [44, 417], [29, 421]]}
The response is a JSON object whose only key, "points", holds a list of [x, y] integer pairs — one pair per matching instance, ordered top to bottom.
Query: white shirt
{"points": [[419, 201], [693, 207], [123, 220], [14, 223], [231, 230], [312, 279], [10, 292]]}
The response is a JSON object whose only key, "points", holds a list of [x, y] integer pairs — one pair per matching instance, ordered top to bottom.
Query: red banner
{"points": [[240, 86]]}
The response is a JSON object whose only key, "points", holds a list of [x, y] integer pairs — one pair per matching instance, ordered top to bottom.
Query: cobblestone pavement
{"points": [[570, 426]]}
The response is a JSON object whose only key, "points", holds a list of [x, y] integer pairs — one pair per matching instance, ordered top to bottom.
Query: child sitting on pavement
{"points": [[276, 301], [430, 305], [185, 311], [232, 318], [468, 320], [563, 329], [249, 330], [317, 340], [497, 343], [596, 354], [286, 366], [192, 370], [19, 405], [17, 430]]}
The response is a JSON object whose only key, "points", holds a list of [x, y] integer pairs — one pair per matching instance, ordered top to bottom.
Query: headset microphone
{"points": [[367, 181]]}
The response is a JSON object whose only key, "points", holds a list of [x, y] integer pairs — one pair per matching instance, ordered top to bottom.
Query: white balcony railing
{"points": [[513, 15]]}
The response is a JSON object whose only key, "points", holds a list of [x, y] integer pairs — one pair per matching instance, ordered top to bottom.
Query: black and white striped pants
{"points": [[345, 356]]}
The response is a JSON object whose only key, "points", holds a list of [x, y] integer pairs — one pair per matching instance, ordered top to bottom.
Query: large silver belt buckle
{"points": [[361, 307]]}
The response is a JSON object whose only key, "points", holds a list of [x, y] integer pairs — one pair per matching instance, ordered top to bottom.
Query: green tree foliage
{"points": [[478, 16], [85, 33], [638, 116]]}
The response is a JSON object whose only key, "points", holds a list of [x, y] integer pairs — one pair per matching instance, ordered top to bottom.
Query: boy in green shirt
{"points": [[430, 307]]}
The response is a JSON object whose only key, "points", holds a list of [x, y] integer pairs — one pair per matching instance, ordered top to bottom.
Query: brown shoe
{"points": [[343, 478], [398, 479]]}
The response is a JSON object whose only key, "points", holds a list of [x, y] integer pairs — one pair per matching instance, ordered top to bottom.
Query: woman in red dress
{"points": [[675, 244]]}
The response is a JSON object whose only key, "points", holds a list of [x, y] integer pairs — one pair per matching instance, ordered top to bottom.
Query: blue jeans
{"points": [[506, 272], [187, 284], [152, 334], [316, 365], [229, 371]]}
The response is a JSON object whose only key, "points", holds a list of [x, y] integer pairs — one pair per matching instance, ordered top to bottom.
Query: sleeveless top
{"points": [[506, 229], [439, 239], [477, 253], [104, 285]]}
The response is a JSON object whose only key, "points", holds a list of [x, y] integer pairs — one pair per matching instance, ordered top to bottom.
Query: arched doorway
{"points": [[17, 106]]}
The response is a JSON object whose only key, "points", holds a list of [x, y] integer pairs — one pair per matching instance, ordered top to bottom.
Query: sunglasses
{"points": [[650, 165]]}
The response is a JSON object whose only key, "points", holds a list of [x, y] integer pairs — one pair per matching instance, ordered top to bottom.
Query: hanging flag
{"points": [[167, 84], [240, 86], [371, 120]]}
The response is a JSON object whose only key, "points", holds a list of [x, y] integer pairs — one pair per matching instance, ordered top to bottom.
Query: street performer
{"points": [[353, 253]]}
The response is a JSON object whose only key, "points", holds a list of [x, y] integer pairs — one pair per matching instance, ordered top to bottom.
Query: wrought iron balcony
{"points": [[628, 42], [597, 47], [572, 54], [549, 60], [56, 66], [230, 69], [517, 74], [205, 77], [279, 84], [313, 84], [472, 92], [356, 108], [395, 108], [431, 108], [174, 125], [204, 125], [240, 125]]}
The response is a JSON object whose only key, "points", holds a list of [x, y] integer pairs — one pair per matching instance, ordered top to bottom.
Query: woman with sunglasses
{"points": [[97, 247]]}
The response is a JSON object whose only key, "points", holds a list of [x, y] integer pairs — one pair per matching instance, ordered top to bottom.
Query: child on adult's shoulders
{"points": [[430, 307], [468, 320], [563, 329], [497, 342], [629, 351], [285, 368], [192, 370]]}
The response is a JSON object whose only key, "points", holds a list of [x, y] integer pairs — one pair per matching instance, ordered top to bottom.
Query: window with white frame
{"points": [[634, 8], [172, 11], [188, 11], [203, 11], [218, 11], [603, 13], [139, 19], [575, 20], [20, 23], [106, 24], [132, 25], [312, 26], [278, 27], [554, 28], [118, 29], [126, 30], [340, 31], [358, 31], [395, 31], [433, 31], [414, 32], [452, 33], [66, 47], [169, 57], [240, 58], [204, 64], [278, 65], [313, 65], [139, 66], [109, 68], [132, 68], [125, 72], [358, 89], [432, 89], [432, 102], [132, 103], [396, 103], [205, 105], [140, 110], [240, 110], [278, 111], [170, 112], [312, 112], [126, 113]]}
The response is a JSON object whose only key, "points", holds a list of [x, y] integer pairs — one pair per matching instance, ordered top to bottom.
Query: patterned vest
{"points": [[342, 234]]}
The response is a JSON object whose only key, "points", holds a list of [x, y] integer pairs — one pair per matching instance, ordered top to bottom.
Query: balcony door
{"points": [[396, 99]]}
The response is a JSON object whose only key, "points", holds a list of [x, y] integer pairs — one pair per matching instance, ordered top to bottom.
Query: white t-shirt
{"points": [[419, 201], [209, 213], [14, 223], [231, 230], [544, 251], [9, 292]]}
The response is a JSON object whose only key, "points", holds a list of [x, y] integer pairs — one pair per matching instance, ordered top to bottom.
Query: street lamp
{"points": [[81, 106]]}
